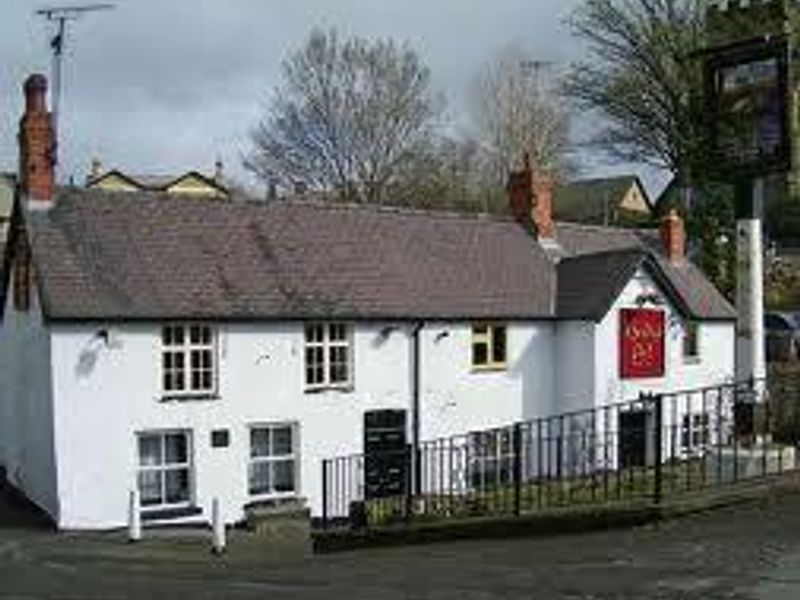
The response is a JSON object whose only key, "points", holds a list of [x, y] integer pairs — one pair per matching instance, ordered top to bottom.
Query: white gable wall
{"points": [[716, 364], [574, 366], [26, 410]]}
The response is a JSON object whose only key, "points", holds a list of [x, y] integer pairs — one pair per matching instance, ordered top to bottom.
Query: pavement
{"points": [[745, 552]]}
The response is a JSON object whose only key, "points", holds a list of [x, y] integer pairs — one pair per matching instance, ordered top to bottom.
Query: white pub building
{"points": [[194, 349]]}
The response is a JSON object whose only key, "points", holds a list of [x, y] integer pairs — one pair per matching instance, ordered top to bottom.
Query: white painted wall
{"points": [[716, 343], [574, 366], [261, 381], [114, 392], [457, 399], [26, 411]]}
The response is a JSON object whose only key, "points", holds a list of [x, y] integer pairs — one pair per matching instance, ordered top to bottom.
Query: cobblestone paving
{"points": [[749, 552]]}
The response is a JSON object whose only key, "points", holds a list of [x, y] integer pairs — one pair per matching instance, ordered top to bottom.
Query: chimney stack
{"points": [[36, 144], [543, 184], [531, 196], [673, 236]]}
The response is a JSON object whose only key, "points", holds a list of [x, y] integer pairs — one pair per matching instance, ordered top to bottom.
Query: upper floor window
{"points": [[691, 341], [489, 346], [328, 352], [188, 360]]}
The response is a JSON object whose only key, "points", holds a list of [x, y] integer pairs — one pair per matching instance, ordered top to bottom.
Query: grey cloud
{"points": [[164, 85]]}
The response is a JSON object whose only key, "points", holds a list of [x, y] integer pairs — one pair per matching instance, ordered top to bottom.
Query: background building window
{"points": [[691, 341], [489, 346], [328, 355], [188, 359], [273, 460], [164, 476]]}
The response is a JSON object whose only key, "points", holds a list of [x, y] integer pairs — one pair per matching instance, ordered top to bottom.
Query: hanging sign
{"points": [[747, 102], [641, 343]]}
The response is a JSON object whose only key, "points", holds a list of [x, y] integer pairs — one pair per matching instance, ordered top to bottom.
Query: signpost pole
{"points": [[750, 349]]}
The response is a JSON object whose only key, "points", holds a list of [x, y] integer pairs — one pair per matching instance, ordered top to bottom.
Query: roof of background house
{"points": [[158, 182], [593, 199], [106, 255]]}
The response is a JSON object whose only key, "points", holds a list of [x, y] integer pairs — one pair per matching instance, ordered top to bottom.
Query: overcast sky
{"points": [[162, 86]]}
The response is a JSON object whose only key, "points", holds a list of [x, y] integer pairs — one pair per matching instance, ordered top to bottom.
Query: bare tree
{"points": [[642, 79], [518, 110], [350, 118]]}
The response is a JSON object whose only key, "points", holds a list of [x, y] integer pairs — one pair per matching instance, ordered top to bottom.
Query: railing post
{"points": [[658, 401], [517, 441], [324, 493]]}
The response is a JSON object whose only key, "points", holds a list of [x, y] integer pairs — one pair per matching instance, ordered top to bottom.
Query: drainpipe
{"points": [[415, 387]]}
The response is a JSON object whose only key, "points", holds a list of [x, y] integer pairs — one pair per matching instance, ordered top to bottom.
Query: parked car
{"points": [[783, 336]]}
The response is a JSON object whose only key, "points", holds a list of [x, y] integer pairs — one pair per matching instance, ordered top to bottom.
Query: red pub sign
{"points": [[641, 343]]}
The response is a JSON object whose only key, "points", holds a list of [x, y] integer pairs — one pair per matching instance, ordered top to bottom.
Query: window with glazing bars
{"points": [[488, 346], [328, 355], [188, 359], [273, 460], [164, 474]]}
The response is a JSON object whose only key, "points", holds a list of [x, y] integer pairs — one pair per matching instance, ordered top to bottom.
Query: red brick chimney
{"points": [[36, 143], [543, 183], [531, 196], [673, 236]]}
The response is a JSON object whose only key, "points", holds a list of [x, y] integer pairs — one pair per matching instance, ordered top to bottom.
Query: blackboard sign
{"points": [[386, 456]]}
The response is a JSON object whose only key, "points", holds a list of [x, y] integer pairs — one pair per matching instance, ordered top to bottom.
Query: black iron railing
{"points": [[643, 450]]}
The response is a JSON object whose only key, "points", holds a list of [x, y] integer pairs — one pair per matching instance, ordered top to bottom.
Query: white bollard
{"points": [[134, 517], [218, 528]]}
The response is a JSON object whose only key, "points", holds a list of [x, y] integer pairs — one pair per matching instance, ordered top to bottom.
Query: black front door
{"points": [[633, 438]]}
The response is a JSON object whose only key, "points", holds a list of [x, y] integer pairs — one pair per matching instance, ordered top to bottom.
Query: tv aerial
{"points": [[61, 15]]}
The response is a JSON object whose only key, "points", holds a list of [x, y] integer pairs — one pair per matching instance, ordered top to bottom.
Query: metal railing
{"points": [[656, 446]]}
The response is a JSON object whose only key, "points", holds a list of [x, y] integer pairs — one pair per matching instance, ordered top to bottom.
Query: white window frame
{"points": [[327, 345], [186, 350], [695, 433], [491, 456], [271, 459], [163, 467]]}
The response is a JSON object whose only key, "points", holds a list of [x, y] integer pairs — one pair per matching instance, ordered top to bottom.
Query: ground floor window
{"points": [[695, 432], [491, 458], [273, 460], [164, 474]]}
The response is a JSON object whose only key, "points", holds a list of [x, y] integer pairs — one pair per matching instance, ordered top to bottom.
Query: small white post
{"points": [[134, 517], [218, 528]]}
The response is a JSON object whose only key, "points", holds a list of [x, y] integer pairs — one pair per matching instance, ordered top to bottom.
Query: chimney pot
{"points": [[35, 88], [95, 169], [673, 236]]}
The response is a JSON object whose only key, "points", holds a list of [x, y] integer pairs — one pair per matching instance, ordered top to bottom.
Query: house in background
{"points": [[191, 183], [610, 201], [143, 350]]}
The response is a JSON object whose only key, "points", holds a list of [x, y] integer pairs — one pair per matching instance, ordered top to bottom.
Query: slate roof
{"points": [[593, 200], [116, 255]]}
